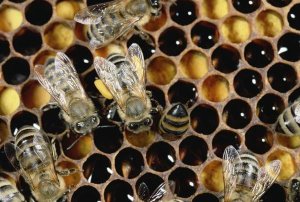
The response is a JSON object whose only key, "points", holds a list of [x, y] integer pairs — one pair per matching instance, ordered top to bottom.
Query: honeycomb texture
{"points": [[237, 60]]}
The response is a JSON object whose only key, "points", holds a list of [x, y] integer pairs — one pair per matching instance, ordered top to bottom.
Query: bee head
{"points": [[155, 6], [86, 125], [137, 127]]}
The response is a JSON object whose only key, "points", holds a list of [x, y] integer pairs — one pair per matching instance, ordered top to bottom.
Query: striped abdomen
{"points": [[175, 121], [288, 122], [8, 192]]}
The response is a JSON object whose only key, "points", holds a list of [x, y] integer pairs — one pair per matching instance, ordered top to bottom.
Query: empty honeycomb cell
{"points": [[279, 3], [246, 6], [67, 9], [214, 9], [38, 12], [183, 12], [294, 16], [11, 18], [157, 22], [269, 23], [236, 29], [205, 34], [59, 35], [27, 41], [172, 41], [289, 47], [4, 48], [148, 48], [259, 53], [81, 57], [226, 59], [194, 64], [15, 70], [161, 70], [282, 77], [248, 83], [215, 88], [183, 92], [157, 94], [34, 95], [294, 95], [9, 101], [269, 107], [22, 118], [204, 119], [51, 120], [4, 132], [108, 139], [141, 139], [223, 139], [259, 139], [292, 142], [77, 147], [193, 151], [161, 156], [5, 162], [129, 163], [288, 166], [97, 169], [212, 176], [73, 179], [152, 181], [185, 182], [118, 190], [275, 191], [86, 192], [207, 197]]}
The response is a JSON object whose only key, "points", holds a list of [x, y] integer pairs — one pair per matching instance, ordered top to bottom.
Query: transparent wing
{"points": [[135, 55], [42, 146], [10, 151], [230, 158], [266, 176], [143, 192], [158, 193]]}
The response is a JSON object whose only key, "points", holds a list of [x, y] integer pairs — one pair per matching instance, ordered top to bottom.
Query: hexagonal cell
{"points": [[279, 3], [247, 6], [67, 9], [214, 9], [38, 12], [183, 12], [294, 16], [11, 18], [157, 22], [269, 23], [236, 29], [205, 34], [59, 35], [172, 41], [147, 47], [288, 47], [4, 48], [259, 53], [81, 57], [226, 59], [194, 64], [15, 70], [161, 70], [248, 83], [215, 88], [183, 92], [157, 94], [34, 95], [9, 100], [269, 107], [21, 119], [51, 120], [4, 132], [141, 139], [223, 139], [259, 139], [193, 151], [161, 156], [5, 162], [129, 163], [288, 166], [97, 169], [212, 176], [73, 179], [152, 181], [185, 182], [118, 190], [275, 191], [86, 192], [207, 197]]}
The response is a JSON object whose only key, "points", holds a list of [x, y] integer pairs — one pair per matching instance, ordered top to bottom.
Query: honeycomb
{"points": [[237, 60]]}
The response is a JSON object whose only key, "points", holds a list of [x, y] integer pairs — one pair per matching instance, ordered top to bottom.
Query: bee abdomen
{"points": [[287, 123], [9, 192]]}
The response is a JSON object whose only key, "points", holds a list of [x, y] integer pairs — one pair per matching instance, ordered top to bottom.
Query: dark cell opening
{"points": [[38, 12], [172, 41], [15, 70]]}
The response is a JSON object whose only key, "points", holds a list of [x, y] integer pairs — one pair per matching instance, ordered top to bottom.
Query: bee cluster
{"points": [[217, 73]]}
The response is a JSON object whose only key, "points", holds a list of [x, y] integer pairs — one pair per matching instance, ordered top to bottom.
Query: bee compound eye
{"points": [[147, 122], [133, 126]]}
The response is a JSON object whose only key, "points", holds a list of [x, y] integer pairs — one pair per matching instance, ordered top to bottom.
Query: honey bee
{"points": [[108, 21], [124, 77], [60, 79], [33, 156], [244, 180], [293, 190], [9, 192]]}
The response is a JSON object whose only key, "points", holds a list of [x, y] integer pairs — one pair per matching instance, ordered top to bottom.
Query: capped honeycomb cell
{"points": [[67, 9], [214, 9], [38, 12], [183, 12], [11, 18], [269, 23], [236, 29], [205, 34], [172, 41], [194, 64], [15, 70], [215, 88], [9, 101], [76, 147], [212, 176], [86, 192]]}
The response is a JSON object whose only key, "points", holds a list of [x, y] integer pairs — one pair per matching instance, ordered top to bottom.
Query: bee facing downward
{"points": [[108, 21], [124, 78], [60, 79], [244, 180], [9, 192]]}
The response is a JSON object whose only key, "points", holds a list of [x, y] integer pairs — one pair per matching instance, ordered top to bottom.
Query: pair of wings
{"points": [[96, 13], [63, 67], [128, 78], [265, 176], [158, 193]]}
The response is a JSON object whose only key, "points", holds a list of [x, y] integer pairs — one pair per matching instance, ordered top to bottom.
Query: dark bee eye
{"points": [[93, 119], [147, 122], [79, 126], [133, 126]]}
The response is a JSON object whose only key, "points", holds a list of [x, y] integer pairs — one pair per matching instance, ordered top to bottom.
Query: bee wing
{"points": [[135, 55], [42, 146], [10, 151], [230, 158], [266, 176], [143, 192], [158, 193]]}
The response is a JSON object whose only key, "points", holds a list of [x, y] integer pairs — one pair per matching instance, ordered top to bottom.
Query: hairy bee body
{"points": [[288, 122], [294, 190], [9, 192]]}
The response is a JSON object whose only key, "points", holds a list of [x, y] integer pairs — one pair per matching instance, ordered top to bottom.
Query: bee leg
{"points": [[144, 36], [149, 93], [157, 109], [53, 148], [68, 172]]}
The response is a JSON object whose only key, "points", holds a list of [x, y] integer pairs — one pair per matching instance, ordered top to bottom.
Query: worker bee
{"points": [[108, 21], [124, 77], [60, 79], [288, 122], [33, 156], [244, 179], [293, 190], [9, 192], [157, 195]]}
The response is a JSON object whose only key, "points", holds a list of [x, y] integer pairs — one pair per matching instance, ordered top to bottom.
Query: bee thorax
{"points": [[137, 7], [135, 107], [79, 108], [48, 189]]}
